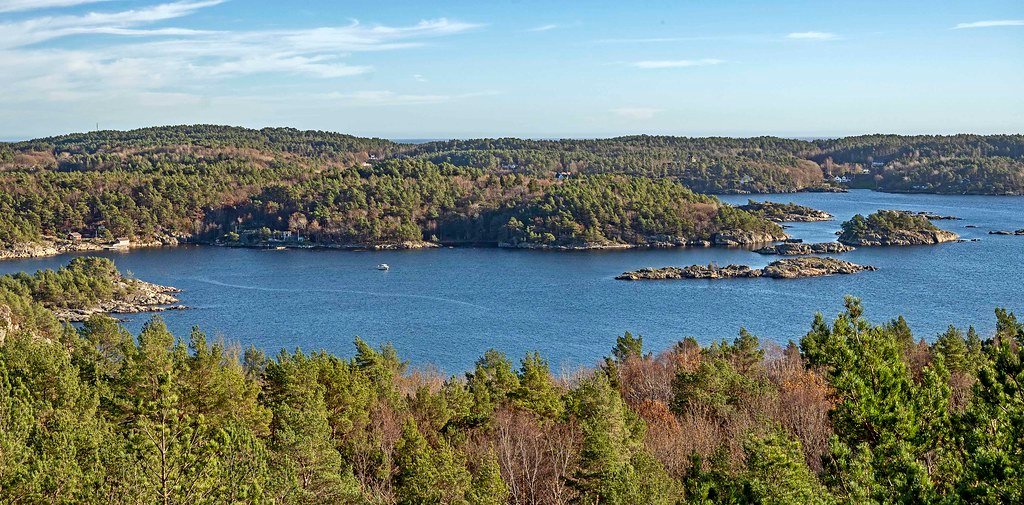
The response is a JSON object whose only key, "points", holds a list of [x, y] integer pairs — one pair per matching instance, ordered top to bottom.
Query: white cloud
{"points": [[28, 5], [990, 24], [543, 28], [40, 29], [812, 36], [164, 59], [653, 64], [419, 78], [635, 112]]}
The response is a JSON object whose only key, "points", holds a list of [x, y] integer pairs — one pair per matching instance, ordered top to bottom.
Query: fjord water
{"points": [[445, 307]]}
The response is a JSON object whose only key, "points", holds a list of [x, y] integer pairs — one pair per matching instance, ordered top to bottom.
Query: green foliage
{"points": [[883, 420]]}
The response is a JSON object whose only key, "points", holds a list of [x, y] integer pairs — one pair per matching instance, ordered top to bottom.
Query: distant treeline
{"points": [[206, 181], [852, 413]]}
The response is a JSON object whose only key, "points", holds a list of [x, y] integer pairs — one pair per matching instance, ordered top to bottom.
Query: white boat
{"points": [[383, 266]]}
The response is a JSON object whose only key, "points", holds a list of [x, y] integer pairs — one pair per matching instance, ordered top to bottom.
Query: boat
{"points": [[280, 248], [383, 266]]}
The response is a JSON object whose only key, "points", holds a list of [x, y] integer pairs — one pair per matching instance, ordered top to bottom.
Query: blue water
{"points": [[445, 307]]}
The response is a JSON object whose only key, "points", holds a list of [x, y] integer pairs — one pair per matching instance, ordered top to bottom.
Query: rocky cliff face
{"points": [[786, 212], [743, 237], [898, 237], [53, 246], [791, 249], [791, 268], [134, 296]]}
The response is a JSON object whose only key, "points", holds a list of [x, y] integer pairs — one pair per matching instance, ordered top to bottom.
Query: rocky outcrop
{"points": [[785, 212], [931, 216], [893, 228], [1006, 232], [745, 237], [900, 238], [407, 245], [53, 246], [799, 249], [812, 266], [790, 268], [690, 272], [132, 297]]}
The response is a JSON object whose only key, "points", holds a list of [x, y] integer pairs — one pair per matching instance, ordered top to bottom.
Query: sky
{"points": [[432, 69]]}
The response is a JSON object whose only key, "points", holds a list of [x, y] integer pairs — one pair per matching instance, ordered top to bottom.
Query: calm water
{"points": [[446, 307]]}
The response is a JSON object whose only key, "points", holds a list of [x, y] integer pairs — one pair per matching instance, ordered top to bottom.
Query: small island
{"points": [[785, 212], [893, 227], [1007, 232], [801, 249], [790, 268], [88, 286]]}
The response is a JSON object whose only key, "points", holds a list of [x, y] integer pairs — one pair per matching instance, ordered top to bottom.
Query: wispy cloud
{"points": [[28, 5], [990, 24], [543, 28], [812, 36], [159, 59], [655, 64], [419, 78], [383, 97], [635, 112]]}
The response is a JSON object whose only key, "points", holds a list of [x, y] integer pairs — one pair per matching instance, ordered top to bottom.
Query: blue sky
{"points": [[415, 69]]}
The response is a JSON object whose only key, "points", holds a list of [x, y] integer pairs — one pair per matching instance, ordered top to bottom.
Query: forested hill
{"points": [[955, 164], [707, 165], [233, 184], [245, 187]]}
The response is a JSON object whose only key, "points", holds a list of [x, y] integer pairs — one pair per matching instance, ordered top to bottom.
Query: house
{"points": [[561, 176], [840, 179], [75, 236], [121, 243]]}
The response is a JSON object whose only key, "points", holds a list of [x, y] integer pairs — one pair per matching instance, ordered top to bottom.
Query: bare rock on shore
{"points": [[785, 212], [893, 228], [745, 237], [54, 246], [798, 249], [812, 266], [790, 268], [690, 272], [132, 297]]}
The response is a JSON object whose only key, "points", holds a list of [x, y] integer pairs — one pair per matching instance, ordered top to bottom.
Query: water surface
{"points": [[447, 306]]}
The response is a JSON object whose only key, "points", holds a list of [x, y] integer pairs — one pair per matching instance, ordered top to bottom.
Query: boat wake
{"points": [[340, 291]]}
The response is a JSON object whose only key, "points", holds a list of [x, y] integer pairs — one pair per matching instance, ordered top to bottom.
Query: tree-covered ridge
{"points": [[307, 143], [954, 164], [707, 165], [204, 181], [208, 197], [856, 413]]}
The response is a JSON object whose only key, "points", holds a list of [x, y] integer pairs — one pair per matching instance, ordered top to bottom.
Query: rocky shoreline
{"points": [[785, 212], [893, 228], [1007, 232], [735, 238], [900, 238], [54, 246], [800, 249], [790, 268], [134, 297]]}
